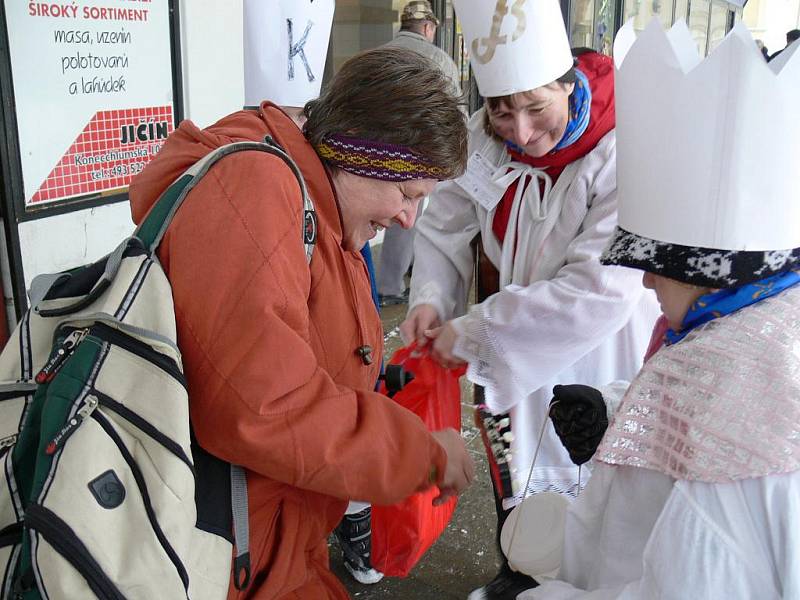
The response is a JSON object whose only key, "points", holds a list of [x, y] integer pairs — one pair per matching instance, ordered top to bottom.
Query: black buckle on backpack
{"points": [[309, 227], [241, 571], [23, 584]]}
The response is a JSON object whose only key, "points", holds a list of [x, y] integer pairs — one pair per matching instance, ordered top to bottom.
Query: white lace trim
{"points": [[431, 293], [476, 345], [546, 479]]}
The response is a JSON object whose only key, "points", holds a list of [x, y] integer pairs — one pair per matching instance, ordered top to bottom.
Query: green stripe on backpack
{"points": [[104, 492]]}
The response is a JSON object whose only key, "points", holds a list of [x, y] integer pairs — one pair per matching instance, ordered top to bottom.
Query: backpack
{"points": [[105, 493]]}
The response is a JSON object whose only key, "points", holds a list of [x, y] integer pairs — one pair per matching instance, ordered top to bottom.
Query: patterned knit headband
{"points": [[376, 160]]}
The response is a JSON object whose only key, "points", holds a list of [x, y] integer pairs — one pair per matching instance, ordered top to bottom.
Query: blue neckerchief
{"points": [[580, 104], [366, 252], [718, 304]]}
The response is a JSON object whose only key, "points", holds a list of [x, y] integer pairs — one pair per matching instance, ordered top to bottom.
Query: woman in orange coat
{"points": [[281, 356]]}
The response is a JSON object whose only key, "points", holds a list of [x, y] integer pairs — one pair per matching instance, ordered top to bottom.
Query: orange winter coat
{"points": [[269, 349]]}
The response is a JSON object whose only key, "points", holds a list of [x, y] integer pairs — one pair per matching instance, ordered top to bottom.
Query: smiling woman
{"points": [[533, 121], [386, 132], [540, 192], [369, 205], [314, 431]]}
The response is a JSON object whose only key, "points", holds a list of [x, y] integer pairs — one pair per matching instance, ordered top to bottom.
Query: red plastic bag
{"points": [[402, 533]]}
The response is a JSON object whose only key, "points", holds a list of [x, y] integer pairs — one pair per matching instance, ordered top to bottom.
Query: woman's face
{"points": [[534, 120], [369, 205], [675, 297]]}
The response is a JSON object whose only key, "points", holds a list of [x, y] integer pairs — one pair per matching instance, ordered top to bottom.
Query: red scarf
{"points": [[599, 70]]}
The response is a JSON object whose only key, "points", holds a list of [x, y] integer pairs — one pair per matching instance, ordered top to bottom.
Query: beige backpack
{"points": [[105, 494]]}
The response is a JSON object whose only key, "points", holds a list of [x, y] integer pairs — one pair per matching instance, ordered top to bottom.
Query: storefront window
{"points": [[681, 10], [643, 11], [699, 13], [582, 19], [707, 19], [592, 24], [719, 24], [604, 25], [453, 43], [462, 55]]}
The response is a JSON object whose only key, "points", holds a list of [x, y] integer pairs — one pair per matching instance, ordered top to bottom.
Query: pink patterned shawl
{"points": [[721, 405]]}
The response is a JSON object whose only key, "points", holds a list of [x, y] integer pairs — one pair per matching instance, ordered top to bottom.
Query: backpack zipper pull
{"points": [[66, 348], [88, 407], [8, 441]]}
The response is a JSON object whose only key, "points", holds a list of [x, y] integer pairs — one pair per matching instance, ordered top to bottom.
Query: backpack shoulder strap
{"points": [[152, 229]]}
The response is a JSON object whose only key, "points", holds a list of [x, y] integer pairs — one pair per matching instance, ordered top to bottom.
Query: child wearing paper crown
{"points": [[540, 191], [696, 482]]}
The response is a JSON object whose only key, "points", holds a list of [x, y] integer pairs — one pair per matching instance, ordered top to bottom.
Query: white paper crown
{"points": [[285, 46], [514, 48], [708, 151]]}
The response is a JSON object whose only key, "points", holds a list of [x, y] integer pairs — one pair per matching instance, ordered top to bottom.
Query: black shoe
{"points": [[393, 300], [354, 536], [505, 586]]}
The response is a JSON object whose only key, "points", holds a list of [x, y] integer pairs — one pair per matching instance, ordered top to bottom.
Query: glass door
{"points": [[699, 14], [581, 21], [605, 21], [718, 26]]}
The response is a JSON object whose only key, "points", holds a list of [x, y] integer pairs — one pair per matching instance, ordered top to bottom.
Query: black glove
{"points": [[579, 417]]}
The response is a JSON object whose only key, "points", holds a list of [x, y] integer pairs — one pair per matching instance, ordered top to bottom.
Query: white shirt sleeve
{"points": [[444, 261], [523, 336], [710, 541]]}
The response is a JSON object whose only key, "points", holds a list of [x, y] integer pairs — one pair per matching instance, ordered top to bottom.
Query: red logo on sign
{"points": [[114, 147]]}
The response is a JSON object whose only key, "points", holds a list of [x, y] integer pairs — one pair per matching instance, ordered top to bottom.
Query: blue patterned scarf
{"points": [[580, 104], [718, 304]]}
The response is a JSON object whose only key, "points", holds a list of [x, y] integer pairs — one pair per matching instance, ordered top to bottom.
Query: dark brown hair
{"points": [[393, 96], [495, 102]]}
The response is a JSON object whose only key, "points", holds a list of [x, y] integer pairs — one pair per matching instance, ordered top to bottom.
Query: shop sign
{"points": [[93, 91]]}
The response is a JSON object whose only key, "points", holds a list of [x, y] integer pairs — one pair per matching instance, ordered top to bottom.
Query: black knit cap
{"points": [[705, 267]]}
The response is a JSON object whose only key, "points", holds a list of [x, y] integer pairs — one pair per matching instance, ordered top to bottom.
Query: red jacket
{"points": [[269, 349]]}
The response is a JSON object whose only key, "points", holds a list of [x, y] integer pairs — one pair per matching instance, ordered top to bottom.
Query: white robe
{"points": [[562, 317], [636, 534]]}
